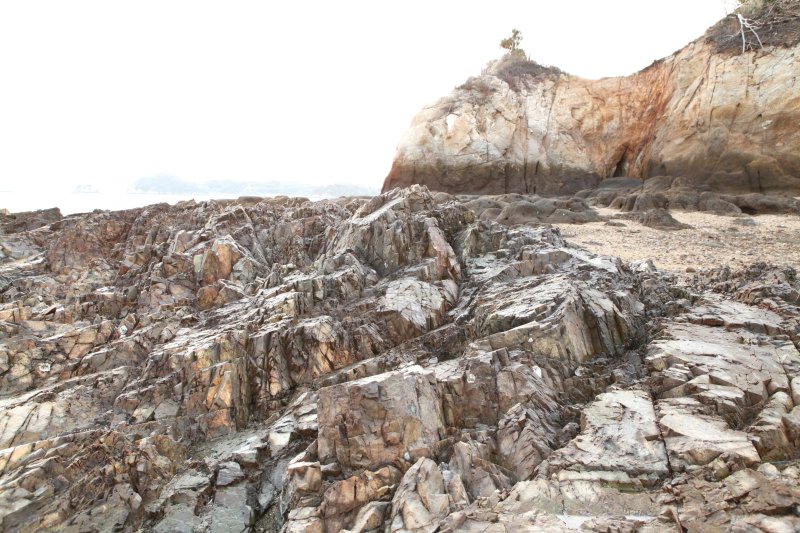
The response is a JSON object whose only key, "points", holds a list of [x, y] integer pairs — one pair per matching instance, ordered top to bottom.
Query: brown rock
{"points": [[522, 128], [385, 364], [380, 419]]}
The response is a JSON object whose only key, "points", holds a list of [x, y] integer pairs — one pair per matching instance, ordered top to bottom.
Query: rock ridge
{"points": [[383, 364]]}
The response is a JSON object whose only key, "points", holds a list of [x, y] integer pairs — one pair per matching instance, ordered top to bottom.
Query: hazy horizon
{"points": [[98, 95]]}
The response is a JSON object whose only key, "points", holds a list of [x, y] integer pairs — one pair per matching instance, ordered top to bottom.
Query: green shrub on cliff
{"points": [[512, 43]]}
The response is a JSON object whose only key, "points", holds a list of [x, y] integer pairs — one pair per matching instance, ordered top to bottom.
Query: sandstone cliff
{"points": [[709, 114], [386, 364]]}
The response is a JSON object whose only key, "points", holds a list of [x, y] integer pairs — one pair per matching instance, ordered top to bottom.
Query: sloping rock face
{"points": [[720, 120], [385, 364]]}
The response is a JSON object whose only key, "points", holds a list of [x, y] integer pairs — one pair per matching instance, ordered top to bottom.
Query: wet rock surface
{"points": [[399, 363]]}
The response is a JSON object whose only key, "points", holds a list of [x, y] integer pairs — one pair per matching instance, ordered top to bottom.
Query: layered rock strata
{"points": [[384, 364]]}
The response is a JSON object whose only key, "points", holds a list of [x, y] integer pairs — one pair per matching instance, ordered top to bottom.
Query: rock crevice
{"points": [[391, 364]]}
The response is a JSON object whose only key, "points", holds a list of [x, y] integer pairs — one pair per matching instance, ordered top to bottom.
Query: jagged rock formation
{"points": [[714, 117], [385, 364]]}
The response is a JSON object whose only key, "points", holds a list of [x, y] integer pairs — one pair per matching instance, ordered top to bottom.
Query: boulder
{"points": [[378, 420]]}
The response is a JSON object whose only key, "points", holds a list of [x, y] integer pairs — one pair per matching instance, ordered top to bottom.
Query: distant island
{"points": [[175, 185], [85, 188]]}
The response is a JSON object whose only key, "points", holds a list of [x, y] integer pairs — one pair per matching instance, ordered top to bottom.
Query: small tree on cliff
{"points": [[512, 43]]}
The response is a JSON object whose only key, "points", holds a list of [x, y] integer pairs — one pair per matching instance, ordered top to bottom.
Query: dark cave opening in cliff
{"points": [[621, 167]]}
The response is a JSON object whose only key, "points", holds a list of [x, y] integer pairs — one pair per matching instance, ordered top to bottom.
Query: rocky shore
{"points": [[410, 362]]}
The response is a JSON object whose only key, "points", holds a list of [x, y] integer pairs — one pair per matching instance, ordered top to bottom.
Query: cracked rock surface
{"points": [[389, 364]]}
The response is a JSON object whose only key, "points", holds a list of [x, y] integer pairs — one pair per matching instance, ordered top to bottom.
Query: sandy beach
{"points": [[713, 240]]}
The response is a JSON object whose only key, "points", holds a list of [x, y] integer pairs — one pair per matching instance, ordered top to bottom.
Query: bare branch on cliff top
{"points": [[748, 24]]}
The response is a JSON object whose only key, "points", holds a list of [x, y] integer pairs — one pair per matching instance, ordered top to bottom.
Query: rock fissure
{"points": [[420, 368]]}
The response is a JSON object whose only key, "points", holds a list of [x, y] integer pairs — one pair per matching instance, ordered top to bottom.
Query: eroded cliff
{"points": [[715, 117]]}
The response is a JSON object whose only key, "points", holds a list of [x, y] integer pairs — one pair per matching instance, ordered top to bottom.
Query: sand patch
{"points": [[714, 240]]}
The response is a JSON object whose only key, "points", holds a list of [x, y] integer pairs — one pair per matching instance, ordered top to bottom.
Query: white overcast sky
{"points": [[318, 91]]}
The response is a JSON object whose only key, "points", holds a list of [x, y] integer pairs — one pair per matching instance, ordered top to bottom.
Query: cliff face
{"points": [[722, 121]]}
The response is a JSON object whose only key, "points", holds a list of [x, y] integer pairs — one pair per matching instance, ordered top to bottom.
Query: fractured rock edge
{"points": [[389, 363]]}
